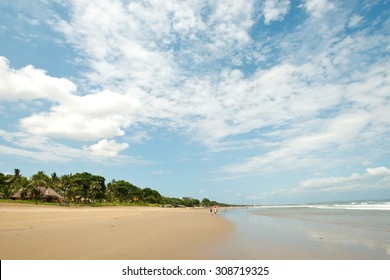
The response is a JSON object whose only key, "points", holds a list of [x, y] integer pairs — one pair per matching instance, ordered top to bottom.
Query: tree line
{"points": [[86, 188]]}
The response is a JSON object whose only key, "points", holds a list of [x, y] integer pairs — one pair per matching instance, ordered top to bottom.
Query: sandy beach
{"points": [[57, 232], [151, 233]]}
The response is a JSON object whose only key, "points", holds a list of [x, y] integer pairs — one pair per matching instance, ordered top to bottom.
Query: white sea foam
{"points": [[351, 205]]}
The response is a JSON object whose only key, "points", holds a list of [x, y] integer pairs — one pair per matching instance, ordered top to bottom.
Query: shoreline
{"points": [[112, 232], [309, 234]]}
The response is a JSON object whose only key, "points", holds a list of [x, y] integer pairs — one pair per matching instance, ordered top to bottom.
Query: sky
{"points": [[249, 102]]}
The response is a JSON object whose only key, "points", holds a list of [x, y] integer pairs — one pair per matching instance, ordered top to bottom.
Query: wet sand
{"points": [[112, 233], [308, 234]]}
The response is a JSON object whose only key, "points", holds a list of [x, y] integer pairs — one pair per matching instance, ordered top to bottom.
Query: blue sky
{"points": [[271, 101]]}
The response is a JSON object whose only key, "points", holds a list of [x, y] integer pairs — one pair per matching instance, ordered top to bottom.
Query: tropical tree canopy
{"points": [[87, 188]]}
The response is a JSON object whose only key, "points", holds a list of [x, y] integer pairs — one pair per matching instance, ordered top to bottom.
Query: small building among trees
{"points": [[42, 193]]}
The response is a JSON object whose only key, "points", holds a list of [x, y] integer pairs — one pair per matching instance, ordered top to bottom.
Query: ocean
{"points": [[353, 230]]}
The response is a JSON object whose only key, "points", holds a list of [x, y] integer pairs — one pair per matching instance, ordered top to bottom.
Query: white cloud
{"points": [[318, 8], [275, 10], [31, 21], [355, 21], [174, 34], [107, 36], [30, 83], [314, 94], [293, 98], [101, 115], [94, 116], [89, 117], [25, 145], [304, 146], [107, 148], [43, 149], [6, 150], [379, 171], [372, 179], [355, 181]]}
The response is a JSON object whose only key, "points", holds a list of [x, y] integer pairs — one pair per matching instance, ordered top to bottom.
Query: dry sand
{"points": [[55, 232]]}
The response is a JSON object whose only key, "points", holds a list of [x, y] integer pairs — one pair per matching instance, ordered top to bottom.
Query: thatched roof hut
{"points": [[46, 194], [17, 195]]}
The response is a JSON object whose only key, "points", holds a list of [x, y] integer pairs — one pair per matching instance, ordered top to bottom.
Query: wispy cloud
{"points": [[318, 8], [274, 10], [216, 73], [43, 149], [373, 179], [355, 181]]}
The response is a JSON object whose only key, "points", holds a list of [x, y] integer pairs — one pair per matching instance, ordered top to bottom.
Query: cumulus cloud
{"points": [[275, 10], [196, 68], [29, 83], [103, 114], [100, 115]]}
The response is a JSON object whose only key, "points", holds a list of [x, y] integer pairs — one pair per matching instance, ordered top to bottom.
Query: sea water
{"points": [[332, 230]]}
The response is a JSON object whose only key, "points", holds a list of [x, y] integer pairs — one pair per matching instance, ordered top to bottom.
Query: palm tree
{"points": [[17, 173], [15, 179], [37, 181], [55, 181], [14, 183], [64, 185], [5, 187], [94, 190], [110, 191]]}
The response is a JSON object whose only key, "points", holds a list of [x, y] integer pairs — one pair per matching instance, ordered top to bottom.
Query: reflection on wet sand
{"points": [[306, 233]]}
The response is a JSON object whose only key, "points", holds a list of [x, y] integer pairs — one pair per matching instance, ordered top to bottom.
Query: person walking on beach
{"points": [[211, 210]]}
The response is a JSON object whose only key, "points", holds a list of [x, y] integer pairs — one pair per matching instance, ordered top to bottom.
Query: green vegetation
{"points": [[85, 189]]}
